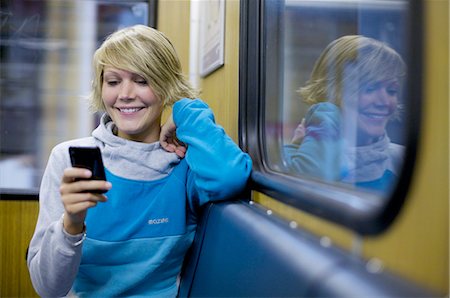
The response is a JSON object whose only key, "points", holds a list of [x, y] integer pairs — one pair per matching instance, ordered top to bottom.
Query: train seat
{"points": [[241, 251]]}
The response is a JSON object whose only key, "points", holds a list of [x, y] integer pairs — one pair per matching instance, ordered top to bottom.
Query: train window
{"points": [[46, 52], [329, 104]]}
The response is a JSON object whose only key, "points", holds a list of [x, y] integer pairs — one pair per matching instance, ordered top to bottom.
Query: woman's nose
{"points": [[126, 91], [385, 97]]}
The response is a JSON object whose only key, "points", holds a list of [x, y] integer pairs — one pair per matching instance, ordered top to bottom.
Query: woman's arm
{"points": [[319, 154], [219, 166], [54, 254]]}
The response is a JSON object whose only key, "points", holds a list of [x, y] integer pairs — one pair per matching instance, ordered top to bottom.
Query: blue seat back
{"points": [[240, 251]]}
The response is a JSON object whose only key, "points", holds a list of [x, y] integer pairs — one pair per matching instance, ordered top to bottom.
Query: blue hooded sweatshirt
{"points": [[135, 242]]}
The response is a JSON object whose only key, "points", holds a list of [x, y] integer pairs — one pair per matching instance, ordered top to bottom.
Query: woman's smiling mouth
{"points": [[129, 110], [376, 116]]}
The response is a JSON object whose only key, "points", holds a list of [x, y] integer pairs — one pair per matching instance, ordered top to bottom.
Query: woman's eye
{"points": [[141, 82], [112, 83], [370, 89], [392, 92]]}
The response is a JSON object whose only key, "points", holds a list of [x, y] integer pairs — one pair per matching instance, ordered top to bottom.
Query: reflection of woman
{"points": [[353, 91]]}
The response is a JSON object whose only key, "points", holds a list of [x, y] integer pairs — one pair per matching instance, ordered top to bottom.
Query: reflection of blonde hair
{"points": [[148, 53], [347, 64]]}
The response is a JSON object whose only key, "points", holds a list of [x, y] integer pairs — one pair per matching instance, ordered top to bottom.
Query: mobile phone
{"points": [[88, 158]]}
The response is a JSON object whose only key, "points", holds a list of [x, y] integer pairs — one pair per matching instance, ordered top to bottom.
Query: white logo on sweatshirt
{"points": [[158, 221]]}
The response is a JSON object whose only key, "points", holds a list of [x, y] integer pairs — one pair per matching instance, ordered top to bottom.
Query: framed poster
{"points": [[212, 35]]}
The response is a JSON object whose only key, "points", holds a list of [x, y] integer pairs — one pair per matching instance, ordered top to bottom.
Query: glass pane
{"points": [[46, 50], [334, 103]]}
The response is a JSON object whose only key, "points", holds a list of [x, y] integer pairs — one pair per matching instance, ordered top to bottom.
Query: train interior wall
{"points": [[416, 245]]}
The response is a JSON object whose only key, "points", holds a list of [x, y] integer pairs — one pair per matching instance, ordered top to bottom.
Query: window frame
{"points": [[342, 206]]}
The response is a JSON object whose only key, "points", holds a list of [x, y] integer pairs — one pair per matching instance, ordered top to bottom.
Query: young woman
{"points": [[354, 92], [132, 240]]}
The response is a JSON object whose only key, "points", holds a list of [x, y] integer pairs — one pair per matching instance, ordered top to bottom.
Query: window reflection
{"points": [[45, 73], [353, 93], [340, 95]]}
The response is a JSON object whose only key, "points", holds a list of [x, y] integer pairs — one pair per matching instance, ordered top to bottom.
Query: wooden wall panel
{"points": [[174, 22], [220, 89], [17, 222]]}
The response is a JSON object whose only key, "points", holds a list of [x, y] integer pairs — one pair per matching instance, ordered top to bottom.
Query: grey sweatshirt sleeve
{"points": [[54, 255]]}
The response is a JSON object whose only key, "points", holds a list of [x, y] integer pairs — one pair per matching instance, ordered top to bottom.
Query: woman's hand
{"points": [[299, 133], [169, 140], [78, 196]]}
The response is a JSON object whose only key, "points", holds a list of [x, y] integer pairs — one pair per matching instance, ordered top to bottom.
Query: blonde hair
{"points": [[148, 53], [347, 64]]}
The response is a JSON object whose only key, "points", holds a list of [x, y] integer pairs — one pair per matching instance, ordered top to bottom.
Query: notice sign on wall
{"points": [[212, 35]]}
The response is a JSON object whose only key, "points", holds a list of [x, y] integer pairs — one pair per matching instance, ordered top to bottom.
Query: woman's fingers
{"points": [[71, 174], [76, 180], [83, 186], [79, 195], [81, 199], [79, 202]]}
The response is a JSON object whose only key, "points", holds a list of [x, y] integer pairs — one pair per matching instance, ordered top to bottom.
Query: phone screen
{"points": [[88, 158]]}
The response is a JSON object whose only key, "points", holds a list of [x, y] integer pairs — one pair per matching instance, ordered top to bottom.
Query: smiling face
{"points": [[377, 103], [132, 105]]}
